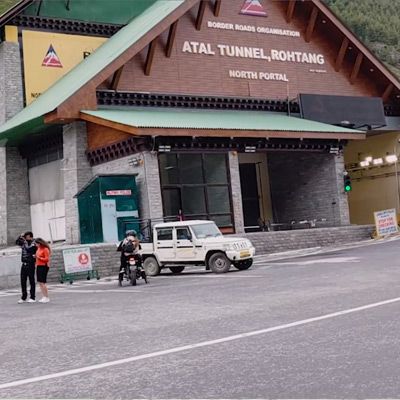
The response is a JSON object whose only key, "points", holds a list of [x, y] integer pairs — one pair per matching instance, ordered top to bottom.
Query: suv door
{"points": [[165, 244], [185, 248]]}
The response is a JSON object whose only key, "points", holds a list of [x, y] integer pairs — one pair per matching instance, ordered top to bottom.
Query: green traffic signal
{"points": [[347, 183]]}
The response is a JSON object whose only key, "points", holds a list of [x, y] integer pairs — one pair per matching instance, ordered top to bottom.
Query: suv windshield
{"points": [[206, 231]]}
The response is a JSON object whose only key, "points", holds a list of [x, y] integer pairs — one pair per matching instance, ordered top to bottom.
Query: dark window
{"points": [[190, 168], [215, 168], [169, 169], [197, 187], [218, 198], [194, 200], [172, 202], [182, 233], [164, 234]]}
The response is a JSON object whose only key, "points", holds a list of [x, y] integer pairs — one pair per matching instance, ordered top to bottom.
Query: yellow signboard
{"points": [[49, 56]]}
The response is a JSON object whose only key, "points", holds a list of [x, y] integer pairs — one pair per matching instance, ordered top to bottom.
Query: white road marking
{"points": [[336, 260], [232, 276], [85, 291], [175, 350]]}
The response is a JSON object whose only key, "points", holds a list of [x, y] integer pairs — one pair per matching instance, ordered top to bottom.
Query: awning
{"points": [[173, 122]]}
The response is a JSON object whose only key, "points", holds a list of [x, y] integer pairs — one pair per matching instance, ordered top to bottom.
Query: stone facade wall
{"points": [[11, 88], [77, 173], [306, 186], [236, 192], [14, 197], [18, 197], [343, 201], [276, 242]]}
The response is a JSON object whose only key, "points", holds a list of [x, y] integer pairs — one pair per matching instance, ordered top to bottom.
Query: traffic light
{"points": [[347, 183]]}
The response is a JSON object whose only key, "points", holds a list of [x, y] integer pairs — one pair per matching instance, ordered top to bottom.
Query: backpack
{"points": [[129, 247]]}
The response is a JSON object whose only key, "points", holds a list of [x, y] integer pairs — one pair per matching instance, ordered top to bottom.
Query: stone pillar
{"points": [[77, 173], [14, 182], [150, 188], [236, 192], [342, 204]]}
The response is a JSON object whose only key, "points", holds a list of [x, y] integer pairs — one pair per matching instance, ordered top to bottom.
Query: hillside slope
{"points": [[6, 4], [377, 23]]}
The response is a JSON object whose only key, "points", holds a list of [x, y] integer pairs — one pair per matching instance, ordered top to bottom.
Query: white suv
{"points": [[179, 244]]}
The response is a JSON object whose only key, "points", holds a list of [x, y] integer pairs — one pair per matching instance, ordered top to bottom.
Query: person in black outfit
{"points": [[28, 246]]}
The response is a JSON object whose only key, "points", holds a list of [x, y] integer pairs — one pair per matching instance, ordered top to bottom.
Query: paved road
{"points": [[321, 326]]}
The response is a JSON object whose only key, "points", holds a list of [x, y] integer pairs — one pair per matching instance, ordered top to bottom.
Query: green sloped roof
{"points": [[31, 118], [228, 120]]}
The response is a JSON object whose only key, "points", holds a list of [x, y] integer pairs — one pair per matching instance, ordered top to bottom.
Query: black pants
{"points": [[28, 271]]}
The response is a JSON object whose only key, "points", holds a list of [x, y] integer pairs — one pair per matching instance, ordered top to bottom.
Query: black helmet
{"points": [[130, 233]]}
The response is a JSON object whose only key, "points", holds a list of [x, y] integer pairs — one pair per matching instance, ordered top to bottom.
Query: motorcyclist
{"points": [[129, 247]]}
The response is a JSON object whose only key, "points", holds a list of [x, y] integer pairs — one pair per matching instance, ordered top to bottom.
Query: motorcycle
{"points": [[133, 271]]}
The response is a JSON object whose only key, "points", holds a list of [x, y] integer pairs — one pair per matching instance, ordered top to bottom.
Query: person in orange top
{"points": [[42, 267]]}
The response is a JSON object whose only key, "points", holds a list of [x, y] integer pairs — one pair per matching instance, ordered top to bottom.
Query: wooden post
{"points": [[217, 7], [290, 10], [200, 14], [311, 24], [171, 38], [341, 55], [150, 57], [356, 68], [116, 78], [387, 93]]}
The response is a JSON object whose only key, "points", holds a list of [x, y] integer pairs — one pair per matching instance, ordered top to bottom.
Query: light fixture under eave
{"points": [[164, 148], [250, 149], [391, 158], [368, 159], [378, 161], [364, 164]]}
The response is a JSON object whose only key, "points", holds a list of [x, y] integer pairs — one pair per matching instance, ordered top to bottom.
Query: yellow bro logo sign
{"points": [[47, 57]]}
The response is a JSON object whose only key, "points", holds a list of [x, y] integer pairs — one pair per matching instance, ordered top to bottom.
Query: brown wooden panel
{"points": [[209, 75], [100, 136]]}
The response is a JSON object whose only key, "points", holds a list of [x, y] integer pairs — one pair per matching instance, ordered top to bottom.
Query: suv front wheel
{"points": [[219, 263], [151, 266]]}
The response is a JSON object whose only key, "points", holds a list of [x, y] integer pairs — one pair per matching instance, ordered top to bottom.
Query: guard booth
{"points": [[108, 206]]}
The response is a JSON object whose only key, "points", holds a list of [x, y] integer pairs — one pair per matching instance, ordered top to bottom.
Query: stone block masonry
{"points": [[77, 173], [306, 186], [236, 192], [14, 196], [18, 197], [276, 242]]}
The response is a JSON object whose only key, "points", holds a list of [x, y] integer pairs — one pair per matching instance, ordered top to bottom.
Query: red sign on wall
{"points": [[119, 192]]}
